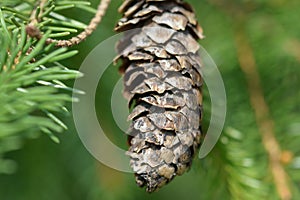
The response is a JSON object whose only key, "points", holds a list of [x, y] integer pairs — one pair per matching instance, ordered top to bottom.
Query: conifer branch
{"points": [[33, 31], [33, 95], [263, 118], [277, 157]]}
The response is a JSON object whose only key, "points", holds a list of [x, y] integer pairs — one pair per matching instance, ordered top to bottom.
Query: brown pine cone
{"points": [[163, 86]]}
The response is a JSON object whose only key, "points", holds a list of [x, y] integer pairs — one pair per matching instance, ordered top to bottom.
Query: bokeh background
{"points": [[237, 33]]}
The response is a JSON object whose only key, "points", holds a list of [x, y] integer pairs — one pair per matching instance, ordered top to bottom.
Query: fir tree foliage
{"points": [[32, 89], [242, 159]]}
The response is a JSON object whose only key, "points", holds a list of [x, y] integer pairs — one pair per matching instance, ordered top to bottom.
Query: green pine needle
{"points": [[32, 89]]}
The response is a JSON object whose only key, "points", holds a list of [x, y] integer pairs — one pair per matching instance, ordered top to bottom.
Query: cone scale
{"points": [[162, 83]]}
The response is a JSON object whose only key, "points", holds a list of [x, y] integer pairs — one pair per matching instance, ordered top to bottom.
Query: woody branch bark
{"points": [[34, 32]]}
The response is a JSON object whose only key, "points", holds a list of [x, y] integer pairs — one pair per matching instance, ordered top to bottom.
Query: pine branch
{"points": [[28, 86], [32, 92], [264, 121], [274, 145], [244, 174]]}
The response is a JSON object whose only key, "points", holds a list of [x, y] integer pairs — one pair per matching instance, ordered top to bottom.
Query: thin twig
{"points": [[34, 19], [31, 28], [34, 32], [263, 118]]}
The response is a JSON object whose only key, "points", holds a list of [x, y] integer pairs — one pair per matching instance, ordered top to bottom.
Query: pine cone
{"points": [[163, 85]]}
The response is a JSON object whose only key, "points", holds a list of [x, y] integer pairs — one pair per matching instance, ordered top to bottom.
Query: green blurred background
{"points": [[47, 171]]}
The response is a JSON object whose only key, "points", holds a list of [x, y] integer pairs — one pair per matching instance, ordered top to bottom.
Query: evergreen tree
{"points": [[256, 46]]}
